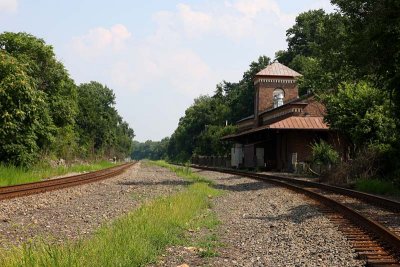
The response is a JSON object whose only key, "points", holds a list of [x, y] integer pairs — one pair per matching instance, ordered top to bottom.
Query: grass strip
{"points": [[182, 171], [11, 175], [375, 186], [135, 239]]}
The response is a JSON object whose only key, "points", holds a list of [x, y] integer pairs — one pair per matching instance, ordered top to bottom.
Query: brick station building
{"points": [[284, 126]]}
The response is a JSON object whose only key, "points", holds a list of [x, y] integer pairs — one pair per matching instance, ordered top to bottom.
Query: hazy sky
{"points": [[157, 55]]}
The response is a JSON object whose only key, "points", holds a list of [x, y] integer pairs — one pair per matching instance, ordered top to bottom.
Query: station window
{"points": [[278, 96]]}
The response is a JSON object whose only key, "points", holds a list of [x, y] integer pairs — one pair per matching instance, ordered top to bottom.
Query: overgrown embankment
{"points": [[11, 175]]}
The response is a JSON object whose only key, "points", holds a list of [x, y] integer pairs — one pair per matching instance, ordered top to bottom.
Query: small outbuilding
{"points": [[280, 133]]}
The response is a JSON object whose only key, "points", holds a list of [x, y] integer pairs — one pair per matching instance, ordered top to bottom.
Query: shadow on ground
{"points": [[165, 182], [242, 187], [297, 215]]}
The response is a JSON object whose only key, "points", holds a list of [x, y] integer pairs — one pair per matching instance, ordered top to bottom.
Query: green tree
{"points": [[304, 37], [316, 47], [374, 47], [48, 73], [51, 78], [239, 97], [39, 107], [205, 111], [362, 112], [24, 115], [101, 129], [124, 137], [209, 141], [153, 150]]}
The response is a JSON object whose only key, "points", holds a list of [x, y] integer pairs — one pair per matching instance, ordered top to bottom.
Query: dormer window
{"points": [[278, 96]]}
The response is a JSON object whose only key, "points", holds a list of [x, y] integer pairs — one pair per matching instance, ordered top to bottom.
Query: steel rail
{"points": [[7, 192], [386, 203], [386, 237]]}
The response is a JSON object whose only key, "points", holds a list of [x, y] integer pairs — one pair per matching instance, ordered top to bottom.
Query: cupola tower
{"points": [[275, 86]]}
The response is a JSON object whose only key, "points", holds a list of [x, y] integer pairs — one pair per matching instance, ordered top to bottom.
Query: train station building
{"points": [[280, 133]]}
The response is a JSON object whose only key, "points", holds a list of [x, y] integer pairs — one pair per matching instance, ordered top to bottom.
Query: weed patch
{"points": [[182, 171], [11, 175], [376, 186]]}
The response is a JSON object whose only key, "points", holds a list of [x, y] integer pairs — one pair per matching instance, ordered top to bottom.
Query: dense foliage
{"points": [[43, 112], [362, 112], [24, 115], [100, 127], [154, 150], [323, 153]]}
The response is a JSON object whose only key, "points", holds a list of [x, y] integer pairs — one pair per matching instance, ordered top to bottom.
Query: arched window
{"points": [[278, 96]]}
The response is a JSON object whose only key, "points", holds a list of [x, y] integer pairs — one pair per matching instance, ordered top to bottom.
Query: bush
{"points": [[324, 154], [367, 164], [376, 186]]}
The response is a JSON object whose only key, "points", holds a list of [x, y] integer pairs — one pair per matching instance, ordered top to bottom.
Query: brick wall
{"points": [[264, 94], [314, 108], [296, 142], [300, 142]]}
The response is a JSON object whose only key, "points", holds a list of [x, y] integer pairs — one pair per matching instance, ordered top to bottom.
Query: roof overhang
{"points": [[290, 123]]}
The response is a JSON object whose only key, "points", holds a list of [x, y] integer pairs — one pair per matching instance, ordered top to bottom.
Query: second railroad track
{"points": [[13, 191]]}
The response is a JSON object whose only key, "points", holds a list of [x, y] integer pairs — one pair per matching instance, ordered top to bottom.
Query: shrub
{"points": [[323, 153], [367, 164], [377, 186]]}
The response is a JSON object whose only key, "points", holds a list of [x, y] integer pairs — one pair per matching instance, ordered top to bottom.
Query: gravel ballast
{"points": [[76, 212], [266, 225]]}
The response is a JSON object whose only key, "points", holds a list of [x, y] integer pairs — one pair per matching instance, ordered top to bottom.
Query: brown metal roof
{"points": [[278, 69], [291, 123], [304, 123], [245, 132]]}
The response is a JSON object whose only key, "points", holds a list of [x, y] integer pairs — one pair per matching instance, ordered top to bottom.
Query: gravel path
{"points": [[75, 212], [265, 225]]}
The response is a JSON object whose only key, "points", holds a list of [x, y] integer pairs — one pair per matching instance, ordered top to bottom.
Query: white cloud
{"points": [[8, 5], [251, 8], [234, 19], [237, 19], [194, 23], [101, 40], [159, 58], [149, 63]]}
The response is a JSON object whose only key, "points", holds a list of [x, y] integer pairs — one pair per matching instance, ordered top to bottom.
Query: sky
{"points": [[157, 55]]}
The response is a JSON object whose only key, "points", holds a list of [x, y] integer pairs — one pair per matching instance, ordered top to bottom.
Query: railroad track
{"points": [[13, 191], [370, 223]]}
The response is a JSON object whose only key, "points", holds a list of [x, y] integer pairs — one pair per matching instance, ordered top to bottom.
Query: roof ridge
{"points": [[278, 69]]}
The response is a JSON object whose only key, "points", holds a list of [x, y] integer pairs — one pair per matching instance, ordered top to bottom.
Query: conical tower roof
{"points": [[278, 69]]}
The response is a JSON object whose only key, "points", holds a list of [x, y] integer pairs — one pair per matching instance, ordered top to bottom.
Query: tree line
{"points": [[350, 59], [44, 114]]}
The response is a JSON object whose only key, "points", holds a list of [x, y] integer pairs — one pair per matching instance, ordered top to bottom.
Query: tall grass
{"points": [[182, 171], [11, 175], [376, 186], [133, 240]]}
